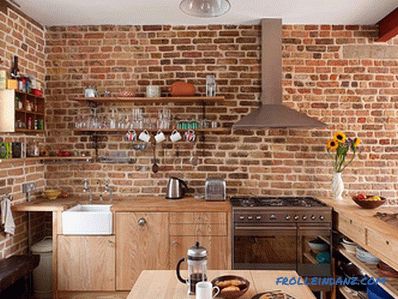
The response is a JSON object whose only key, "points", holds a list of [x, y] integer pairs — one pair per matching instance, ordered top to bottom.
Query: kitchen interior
{"points": [[198, 148]]}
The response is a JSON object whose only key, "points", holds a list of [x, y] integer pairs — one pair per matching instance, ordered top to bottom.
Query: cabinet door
{"points": [[142, 243], [217, 247], [86, 263]]}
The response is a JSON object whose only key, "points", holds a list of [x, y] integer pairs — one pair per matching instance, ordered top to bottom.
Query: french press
{"points": [[197, 267]]}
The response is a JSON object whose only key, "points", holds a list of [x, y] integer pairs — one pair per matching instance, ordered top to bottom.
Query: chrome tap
{"points": [[86, 188], [108, 188]]}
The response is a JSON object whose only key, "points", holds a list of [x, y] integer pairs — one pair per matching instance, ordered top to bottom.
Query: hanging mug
{"points": [[190, 135], [131, 136], [144, 136], [175, 136], [160, 137]]}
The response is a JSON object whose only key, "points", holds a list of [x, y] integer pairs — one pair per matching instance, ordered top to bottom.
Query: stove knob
{"points": [[250, 217], [258, 217], [272, 217], [287, 217], [296, 217], [304, 217], [313, 217], [322, 217], [242, 218]]}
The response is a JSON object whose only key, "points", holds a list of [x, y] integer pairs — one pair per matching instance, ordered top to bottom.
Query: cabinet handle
{"points": [[141, 221], [388, 242]]}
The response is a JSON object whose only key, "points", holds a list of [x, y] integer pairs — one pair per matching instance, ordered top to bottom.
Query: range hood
{"points": [[272, 113]]}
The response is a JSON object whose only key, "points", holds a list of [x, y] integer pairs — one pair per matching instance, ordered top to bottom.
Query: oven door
{"points": [[265, 247], [314, 250]]}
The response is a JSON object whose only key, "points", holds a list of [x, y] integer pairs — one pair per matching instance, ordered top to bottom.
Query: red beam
{"points": [[388, 26]]}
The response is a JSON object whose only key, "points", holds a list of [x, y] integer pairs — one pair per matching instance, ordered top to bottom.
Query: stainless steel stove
{"points": [[280, 209], [275, 233]]}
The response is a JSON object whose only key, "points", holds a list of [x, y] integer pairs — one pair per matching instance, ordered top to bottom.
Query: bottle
{"points": [[15, 69], [210, 86]]}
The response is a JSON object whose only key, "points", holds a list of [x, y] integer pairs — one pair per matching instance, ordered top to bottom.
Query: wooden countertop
{"points": [[137, 204], [364, 216], [163, 284]]}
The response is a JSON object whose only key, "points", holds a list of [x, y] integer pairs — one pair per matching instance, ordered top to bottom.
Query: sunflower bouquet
{"points": [[339, 147]]}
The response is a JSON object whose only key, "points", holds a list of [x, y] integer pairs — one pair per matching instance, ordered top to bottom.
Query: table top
{"points": [[163, 284]]}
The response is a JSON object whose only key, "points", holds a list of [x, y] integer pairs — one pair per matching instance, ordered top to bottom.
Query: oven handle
{"points": [[262, 231]]}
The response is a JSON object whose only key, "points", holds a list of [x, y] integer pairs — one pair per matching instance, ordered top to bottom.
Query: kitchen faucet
{"points": [[86, 188], [108, 188]]}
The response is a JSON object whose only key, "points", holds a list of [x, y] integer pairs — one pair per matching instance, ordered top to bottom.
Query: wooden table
{"points": [[163, 284]]}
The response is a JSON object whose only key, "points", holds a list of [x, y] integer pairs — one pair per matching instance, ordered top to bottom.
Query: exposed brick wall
{"points": [[19, 36], [357, 96]]}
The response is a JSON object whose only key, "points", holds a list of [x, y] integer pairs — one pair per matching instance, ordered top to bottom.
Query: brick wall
{"points": [[20, 36], [355, 95]]}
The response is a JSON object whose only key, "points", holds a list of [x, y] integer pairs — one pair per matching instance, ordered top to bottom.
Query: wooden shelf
{"points": [[29, 95], [159, 100], [29, 112], [208, 130], [29, 131], [33, 159], [311, 257], [391, 286], [348, 293]]}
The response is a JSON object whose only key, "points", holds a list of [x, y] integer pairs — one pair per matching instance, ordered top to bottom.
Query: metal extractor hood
{"points": [[272, 113]]}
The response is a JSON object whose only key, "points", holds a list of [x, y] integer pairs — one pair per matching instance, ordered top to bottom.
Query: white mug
{"points": [[152, 91], [144, 136], [175, 136], [159, 137], [204, 290]]}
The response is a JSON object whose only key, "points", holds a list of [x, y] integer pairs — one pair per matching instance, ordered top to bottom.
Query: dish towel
{"points": [[6, 216]]}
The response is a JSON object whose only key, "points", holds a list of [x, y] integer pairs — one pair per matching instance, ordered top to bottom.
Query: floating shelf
{"points": [[160, 100], [208, 130], [33, 159], [391, 286]]}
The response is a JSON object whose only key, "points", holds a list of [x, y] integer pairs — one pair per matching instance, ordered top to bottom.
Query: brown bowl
{"points": [[369, 204], [386, 270], [243, 287]]}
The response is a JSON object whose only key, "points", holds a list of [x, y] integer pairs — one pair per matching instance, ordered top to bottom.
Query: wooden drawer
{"points": [[200, 217], [198, 229], [352, 229], [383, 245]]}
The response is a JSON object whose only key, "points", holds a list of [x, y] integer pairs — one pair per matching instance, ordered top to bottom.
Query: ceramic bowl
{"points": [[52, 194], [369, 204], [318, 245], [366, 257], [243, 287]]}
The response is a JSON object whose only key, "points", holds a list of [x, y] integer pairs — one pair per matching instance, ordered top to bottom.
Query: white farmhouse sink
{"points": [[87, 220]]}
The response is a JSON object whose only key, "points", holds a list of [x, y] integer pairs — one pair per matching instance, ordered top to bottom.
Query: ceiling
{"points": [[137, 12]]}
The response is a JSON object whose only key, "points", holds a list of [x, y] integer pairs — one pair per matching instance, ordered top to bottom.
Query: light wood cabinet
{"points": [[350, 227], [208, 228], [142, 243], [217, 248], [86, 263]]}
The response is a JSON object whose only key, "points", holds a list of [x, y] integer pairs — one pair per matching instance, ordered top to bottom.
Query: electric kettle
{"points": [[176, 188], [197, 267]]}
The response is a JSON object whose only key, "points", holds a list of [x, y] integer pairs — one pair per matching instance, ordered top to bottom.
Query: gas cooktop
{"points": [[300, 202]]}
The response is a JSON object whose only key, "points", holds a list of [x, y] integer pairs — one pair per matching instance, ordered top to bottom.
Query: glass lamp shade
{"points": [[205, 8]]}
